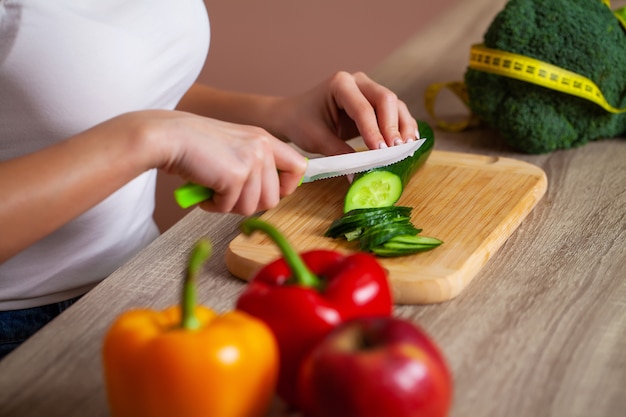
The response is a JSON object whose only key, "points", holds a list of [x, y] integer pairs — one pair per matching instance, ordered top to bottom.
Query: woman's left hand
{"points": [[341, 108]]}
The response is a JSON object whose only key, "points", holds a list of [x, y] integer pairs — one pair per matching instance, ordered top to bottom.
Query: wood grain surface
{"points": [[471, 202], [540, 331]]}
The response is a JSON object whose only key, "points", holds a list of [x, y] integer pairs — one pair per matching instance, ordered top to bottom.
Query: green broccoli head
{"points": [[582, 36]]}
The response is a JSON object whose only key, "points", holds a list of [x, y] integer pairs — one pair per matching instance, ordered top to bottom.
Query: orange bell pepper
{"points": [[188, 361]]}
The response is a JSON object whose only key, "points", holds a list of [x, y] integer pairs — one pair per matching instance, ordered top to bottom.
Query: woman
{"points": [[95, 97]]}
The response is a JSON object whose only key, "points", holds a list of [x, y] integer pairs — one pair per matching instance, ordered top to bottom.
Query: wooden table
{"points": [[541, 331]]}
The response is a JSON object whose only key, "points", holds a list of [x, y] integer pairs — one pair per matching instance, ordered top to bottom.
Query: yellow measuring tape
{"points": [[523, 68], [538, 72], [457, 88]]}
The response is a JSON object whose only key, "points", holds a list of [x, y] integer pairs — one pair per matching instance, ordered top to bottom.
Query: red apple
{"points": [[375, 367]]}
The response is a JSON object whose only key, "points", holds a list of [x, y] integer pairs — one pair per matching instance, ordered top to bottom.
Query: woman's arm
{"points": [[234, 107], [319, 120], [44, 190]]}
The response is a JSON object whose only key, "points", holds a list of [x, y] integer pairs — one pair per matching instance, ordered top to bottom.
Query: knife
{"points": [[318, 168]]}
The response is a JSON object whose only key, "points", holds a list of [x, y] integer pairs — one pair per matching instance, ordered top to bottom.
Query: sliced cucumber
{"points": [[381, 187], [378, 189], [374, 211], [370, 214], [364, 218], [383, 232], [353, 234], [414, 240], [402, 245]]}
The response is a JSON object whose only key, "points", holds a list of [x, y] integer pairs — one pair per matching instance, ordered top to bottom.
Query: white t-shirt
{"points": [[66, 65]]}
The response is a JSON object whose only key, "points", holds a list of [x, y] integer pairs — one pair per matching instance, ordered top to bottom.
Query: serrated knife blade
{"points": [[355, 162]]}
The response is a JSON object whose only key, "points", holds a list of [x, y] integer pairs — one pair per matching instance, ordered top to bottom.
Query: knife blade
{"points": [[319, 168]]}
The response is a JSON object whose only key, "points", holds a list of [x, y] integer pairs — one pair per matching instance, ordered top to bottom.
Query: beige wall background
{"points": [[285, 46]]}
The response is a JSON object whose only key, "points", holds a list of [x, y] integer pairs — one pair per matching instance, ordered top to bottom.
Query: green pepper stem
{"points": [[199, 254], [301, 274]]}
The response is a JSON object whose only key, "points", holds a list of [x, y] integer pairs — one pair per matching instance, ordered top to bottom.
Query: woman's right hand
{"points": [[248, 169]]}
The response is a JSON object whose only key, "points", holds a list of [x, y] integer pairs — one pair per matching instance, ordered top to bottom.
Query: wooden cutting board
{"points": [[471, 202]]}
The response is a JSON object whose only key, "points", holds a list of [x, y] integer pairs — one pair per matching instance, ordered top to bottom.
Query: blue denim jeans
{"points": [[18, 325]]}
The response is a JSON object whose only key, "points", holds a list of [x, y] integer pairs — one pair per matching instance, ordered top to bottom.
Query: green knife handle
{"points": [[189, 194]]}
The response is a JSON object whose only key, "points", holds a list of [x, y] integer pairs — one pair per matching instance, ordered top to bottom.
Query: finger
{"points": [[351, 99], [389, 110], [408, 124], [290, 165], [228, 183], [269, 184], [261, 187], [222, 202], [248, 202]]}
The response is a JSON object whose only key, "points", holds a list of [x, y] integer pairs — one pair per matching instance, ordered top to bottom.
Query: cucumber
{"points": [[383, 186], [376, 189], [370, 214], [364, 218], [383, 232], [409, 241], [402, 245]]}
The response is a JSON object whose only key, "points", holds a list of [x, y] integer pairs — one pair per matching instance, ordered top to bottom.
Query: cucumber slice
{"points": [[383, 186], [379, 189], [372, 211], [365, 218], [371, 226], [384, 231], [381, 233], [353, 234], [411, 240], [402, 245], [384, 252]]}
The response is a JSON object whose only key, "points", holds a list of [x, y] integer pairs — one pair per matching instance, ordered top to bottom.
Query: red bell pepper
{"points": [[302, 298]]}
